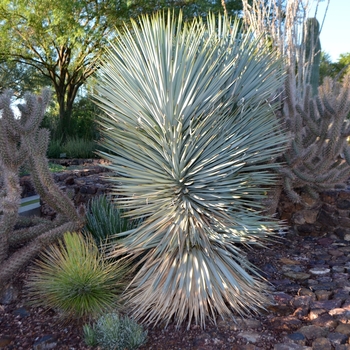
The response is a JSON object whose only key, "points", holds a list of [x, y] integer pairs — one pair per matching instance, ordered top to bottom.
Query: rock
{"points": [[343, 204], [347, 237], [335, 252], [338, 269], [319, 271], [299, 276], [324, 286], [306, 292], [9, 295], [322, 295], [302, 301], [326, 304], [337, 311], [21, 312], [301, 312], [315, 313], [343, 317], [325, 320], [252, 323], [286, 323], [344, 329], [313, 332], [251, 337], [296, 338], [337, 338], [5, 340], [46, 342], [321, 344], [290, 346], [342, 347]]}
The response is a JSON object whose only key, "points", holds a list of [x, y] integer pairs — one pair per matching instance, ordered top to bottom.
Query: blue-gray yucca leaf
{"points": [[192, 138]]}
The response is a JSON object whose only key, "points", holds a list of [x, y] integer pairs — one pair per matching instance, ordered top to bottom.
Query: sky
{"points": [[335, 34]]}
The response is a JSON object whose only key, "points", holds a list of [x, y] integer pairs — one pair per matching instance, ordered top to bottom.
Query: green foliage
{"points": [[189, 8], [61, 40], [327, 68], [338, 69], [20, 78], [83, 123], [190, 126], [72, 147], [75, 147], [54, 168], [104, 220], [73, 277], [112, 332]]}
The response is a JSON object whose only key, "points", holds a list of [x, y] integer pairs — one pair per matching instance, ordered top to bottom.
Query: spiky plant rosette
{"points": [[191, 138], [74, 278]]}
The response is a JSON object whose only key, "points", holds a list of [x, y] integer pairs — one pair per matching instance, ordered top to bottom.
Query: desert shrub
{"points": [[190, 125], [74, 278], [112, 332]]}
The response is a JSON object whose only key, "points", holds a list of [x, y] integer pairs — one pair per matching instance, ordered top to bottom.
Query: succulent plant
{"points": [[192, 137]]}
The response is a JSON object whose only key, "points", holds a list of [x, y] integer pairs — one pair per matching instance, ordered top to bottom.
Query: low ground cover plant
{"points": [[113, 331]]}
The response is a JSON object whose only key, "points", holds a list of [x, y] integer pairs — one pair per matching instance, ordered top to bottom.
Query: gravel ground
{"points": [[311, 280]]}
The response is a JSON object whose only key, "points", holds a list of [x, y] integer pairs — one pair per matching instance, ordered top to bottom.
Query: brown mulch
{"points": [[23, 327]]}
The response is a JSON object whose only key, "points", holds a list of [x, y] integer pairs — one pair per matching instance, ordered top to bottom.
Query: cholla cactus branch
{"points": [[21, 140], [322, 163]]}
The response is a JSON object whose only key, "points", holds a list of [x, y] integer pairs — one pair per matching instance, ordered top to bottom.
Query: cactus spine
{"points": [[23, 141]]}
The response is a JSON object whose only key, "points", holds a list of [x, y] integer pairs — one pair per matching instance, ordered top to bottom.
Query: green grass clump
{"points": [[75, 278], [112, 332]]}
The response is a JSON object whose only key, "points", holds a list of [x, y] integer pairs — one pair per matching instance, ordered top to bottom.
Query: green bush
{"points": [[193, 137], [73, 147], [73, 277], [112, 332]]}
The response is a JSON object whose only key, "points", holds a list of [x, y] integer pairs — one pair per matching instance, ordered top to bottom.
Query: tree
{"points": [[189, 8], [62, 40], [337, 69], [20, 78]]}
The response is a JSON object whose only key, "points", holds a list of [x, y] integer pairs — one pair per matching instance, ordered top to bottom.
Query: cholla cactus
{"points": [[314, 117], [22, 141], [319, 155]]}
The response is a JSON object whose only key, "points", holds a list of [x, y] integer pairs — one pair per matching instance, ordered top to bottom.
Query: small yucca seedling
{"points": [[192, 138], [103, 220], [74, 278], [112, 332]]}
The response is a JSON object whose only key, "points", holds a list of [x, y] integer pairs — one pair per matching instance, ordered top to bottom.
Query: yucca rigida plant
{"points": [[192, 136]]}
